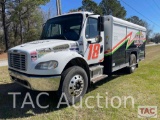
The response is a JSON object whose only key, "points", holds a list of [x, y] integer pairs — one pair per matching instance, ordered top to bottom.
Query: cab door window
{"points": [[91, 28]]}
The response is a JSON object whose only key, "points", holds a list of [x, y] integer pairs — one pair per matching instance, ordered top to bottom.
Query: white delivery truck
{"points": [[75, 50]]}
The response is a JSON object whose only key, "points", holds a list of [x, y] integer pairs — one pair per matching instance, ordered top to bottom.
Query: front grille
{"points": [[17, 61]]}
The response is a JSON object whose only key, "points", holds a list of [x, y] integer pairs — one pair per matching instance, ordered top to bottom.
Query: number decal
{"points": [[90, 51], [93, 51]]}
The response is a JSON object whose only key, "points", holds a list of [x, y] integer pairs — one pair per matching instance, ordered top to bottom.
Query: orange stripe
{"points": [[118, 43], [108, 51], [101, 60]]}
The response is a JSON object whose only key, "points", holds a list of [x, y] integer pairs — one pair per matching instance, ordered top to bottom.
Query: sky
{"points": [[148, 10]]}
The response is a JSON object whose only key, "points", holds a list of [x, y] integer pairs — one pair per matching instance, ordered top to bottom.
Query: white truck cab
{"points": [[75, 50]]}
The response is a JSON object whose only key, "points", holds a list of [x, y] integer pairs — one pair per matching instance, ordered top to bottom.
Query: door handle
{"points": [[101, 49]]}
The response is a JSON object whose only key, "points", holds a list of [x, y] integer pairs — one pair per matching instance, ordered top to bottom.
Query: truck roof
{"points": [[80, 12], [125, 23]]}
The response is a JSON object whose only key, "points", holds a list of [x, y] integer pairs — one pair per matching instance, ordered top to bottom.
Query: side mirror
{"points": [[100, 24], [42, 33], [98, 39]]}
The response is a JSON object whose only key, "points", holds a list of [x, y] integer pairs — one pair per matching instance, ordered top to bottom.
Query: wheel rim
{"points": [[133, 64], [76, 85]]}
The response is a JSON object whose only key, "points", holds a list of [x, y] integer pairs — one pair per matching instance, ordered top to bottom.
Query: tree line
{"points": [[21, 20], [156, 38]]}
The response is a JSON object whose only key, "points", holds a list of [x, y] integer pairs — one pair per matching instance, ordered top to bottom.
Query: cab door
{"points": [[93, 51]]}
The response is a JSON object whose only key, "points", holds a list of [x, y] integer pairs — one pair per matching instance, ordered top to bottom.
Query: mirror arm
{"points": [[89, 42]]}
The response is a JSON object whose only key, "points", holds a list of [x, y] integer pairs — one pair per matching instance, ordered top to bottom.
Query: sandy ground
{"points": [[3, 56], [3, 59], [3, 63]]}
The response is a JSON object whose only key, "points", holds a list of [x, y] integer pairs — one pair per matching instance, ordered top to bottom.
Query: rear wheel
{"points": [[132, 63], [74, 84]]}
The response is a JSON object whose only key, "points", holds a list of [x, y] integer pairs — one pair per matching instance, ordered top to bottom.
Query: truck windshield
{"points": [[64, 27]]}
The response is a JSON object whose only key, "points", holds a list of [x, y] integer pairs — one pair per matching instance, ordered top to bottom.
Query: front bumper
{"points": [[40, 83]]}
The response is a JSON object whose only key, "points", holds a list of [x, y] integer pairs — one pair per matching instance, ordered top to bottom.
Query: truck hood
{"points": [[44, 44]]}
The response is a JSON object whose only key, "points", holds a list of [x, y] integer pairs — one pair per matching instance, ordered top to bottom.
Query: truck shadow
{"points": [[7, 110]]}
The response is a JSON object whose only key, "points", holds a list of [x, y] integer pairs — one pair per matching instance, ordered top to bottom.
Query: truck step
{"points": [[96, 67], [96, 71], [98, 78]]}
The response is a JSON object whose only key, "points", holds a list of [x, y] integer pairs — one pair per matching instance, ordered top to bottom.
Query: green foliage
{"points": [[90, 5], [106, 7], [112, 7], [24, 20], [136, 20], [35, 27], [156, 38]]}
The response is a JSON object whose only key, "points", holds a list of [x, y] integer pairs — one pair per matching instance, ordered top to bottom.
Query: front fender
{"points": [[62, 57]]}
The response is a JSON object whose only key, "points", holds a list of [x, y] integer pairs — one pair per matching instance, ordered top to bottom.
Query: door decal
{"points": [[94, 50]]}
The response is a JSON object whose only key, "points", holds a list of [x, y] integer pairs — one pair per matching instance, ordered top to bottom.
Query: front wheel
{"points": [[74, 84]]}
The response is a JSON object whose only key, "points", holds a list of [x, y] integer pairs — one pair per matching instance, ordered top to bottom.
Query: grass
{"points": [[143, 86]]}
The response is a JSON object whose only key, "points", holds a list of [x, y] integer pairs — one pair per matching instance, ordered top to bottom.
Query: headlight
{"points": [[48, 65]]}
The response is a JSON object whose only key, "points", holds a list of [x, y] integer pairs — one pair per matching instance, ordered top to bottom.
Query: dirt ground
{"points": [[3, 56]]}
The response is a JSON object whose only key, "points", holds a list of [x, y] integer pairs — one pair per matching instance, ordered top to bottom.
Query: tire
{"points": [[132, 63], [74, 84]]}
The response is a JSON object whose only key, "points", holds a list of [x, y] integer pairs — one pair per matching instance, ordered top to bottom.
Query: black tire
{"points": [[132, 63], [73, 77]]}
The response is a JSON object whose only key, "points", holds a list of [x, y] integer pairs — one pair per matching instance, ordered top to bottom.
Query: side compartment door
{"points": [[119, 44], [93, 52]]}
